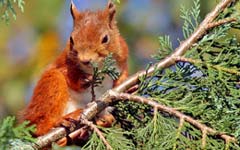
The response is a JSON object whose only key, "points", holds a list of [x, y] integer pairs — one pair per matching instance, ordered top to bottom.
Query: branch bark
{"points": [[107, 98]]}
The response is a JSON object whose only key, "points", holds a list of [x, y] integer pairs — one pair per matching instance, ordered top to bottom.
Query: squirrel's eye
{"points": [[105, 39]]}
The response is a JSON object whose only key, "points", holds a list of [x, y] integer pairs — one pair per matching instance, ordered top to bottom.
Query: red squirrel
{"points": [[94, 36]]}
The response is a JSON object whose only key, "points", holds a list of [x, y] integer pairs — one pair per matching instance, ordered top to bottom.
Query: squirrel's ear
{"points": [[74, 11], [111, 11]]}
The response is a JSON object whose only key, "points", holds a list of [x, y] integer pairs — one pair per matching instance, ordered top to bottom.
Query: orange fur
{"points": [[94, 36], [49, 99]]}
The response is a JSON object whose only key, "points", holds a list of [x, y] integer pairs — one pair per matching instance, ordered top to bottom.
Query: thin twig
{"points": [[220, 22], [93, 91], [171, 111], [155, 119], [181, 123], [98, 132], [204, 138], [227, 144]]}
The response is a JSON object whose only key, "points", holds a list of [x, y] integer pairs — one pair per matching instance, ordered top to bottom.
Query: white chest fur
{"points": [[81, 99], [73, 101]]}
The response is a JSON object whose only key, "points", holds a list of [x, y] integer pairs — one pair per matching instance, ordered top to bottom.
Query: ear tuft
{"points": [[110, 5], [111, 10], [74, 11]]}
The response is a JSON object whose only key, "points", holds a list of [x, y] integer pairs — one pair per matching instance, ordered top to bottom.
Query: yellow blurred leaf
{"points": [[47, 49]]}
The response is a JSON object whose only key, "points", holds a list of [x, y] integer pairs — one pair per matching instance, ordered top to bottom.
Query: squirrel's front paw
{"points": [[105, 118], [69, 124], [77, 138]]}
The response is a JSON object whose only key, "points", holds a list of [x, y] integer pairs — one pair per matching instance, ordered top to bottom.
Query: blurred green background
{"points": [[39, 34]]}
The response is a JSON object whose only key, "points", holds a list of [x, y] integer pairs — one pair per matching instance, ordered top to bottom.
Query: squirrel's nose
{"points": [[86, 61]]}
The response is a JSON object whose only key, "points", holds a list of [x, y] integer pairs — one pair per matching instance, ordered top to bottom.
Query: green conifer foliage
{"points": [[7, 9], [193, 104], [12, 136]]}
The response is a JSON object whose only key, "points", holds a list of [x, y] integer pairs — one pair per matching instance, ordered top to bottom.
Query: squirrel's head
{"points": [[94, 36]]}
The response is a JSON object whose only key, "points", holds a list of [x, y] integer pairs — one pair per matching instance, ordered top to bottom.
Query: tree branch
{"points": [[181, 50], [106, 99], [205, 129]]}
